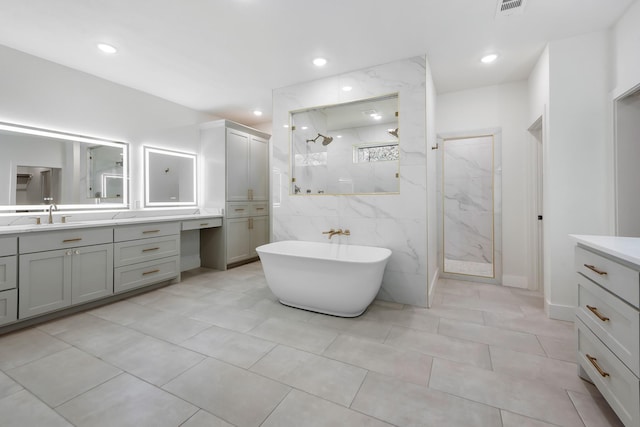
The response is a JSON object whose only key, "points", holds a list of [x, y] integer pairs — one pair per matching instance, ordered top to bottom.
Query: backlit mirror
{"points": [[350, 148], [41, 166], [170, 178]]}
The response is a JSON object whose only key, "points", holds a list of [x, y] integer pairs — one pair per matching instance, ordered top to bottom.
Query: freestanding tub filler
{"points": [[336, 279]]}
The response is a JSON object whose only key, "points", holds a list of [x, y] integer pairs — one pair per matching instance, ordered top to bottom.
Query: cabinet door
{"points": [[237, 165], [258, 168], [259, 233], [238, 240], [8, 267], [92, 273], [45, 282], [8, 306]]}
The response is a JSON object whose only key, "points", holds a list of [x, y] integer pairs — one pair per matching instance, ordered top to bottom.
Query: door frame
{"points": [[536, 203]]}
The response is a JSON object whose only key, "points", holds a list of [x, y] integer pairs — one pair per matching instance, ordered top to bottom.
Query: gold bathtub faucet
{"points": [[339, 232]]}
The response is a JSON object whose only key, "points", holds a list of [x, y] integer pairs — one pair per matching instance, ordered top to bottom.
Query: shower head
{"points": [[393, 132], [326, 140]]}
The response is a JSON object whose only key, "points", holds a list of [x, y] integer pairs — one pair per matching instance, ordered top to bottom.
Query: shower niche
{"points": [[350, 148], [470, 206]]}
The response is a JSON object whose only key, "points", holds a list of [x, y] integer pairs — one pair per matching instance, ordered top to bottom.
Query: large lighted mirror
{"points": [[349, 148], [40, 167], [170, 178]]}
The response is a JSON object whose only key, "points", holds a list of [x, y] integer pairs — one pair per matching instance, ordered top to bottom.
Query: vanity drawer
{"points": [[259, 209], [238, 210], [196, 224], [144, 231], [52, 240], [8, 246], [132, 252], [8, 269], [138, 275], [614, 277], [8, 306], [612, 320], [616, 382]]}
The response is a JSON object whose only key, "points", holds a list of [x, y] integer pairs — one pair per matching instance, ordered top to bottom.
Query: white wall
{"points": [[625, 43], [538, 91], [40, 93], [506, 107], [577, 158], [433, 270]]}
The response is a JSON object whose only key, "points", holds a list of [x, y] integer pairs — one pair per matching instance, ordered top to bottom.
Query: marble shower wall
{"points": [[395, 221]]}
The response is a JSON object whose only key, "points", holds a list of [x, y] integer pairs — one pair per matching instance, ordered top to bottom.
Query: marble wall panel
{"points": [[396, 221]]}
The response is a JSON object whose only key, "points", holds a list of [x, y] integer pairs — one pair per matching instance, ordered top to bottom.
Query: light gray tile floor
{"points": [[218, 350]]}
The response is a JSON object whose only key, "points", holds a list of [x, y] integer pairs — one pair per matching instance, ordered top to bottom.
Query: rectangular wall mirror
{"points": [[350, 148], [41, 167], [170, 178]]}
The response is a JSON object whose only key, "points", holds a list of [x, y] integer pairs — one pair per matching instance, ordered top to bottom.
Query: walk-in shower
{"points": [[470, 206]]}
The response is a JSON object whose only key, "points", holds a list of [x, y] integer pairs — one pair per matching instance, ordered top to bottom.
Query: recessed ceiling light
{"points": [[107, 48], [488, 59], [319, 62], [346, 88], [257, 113], [285, 126], [305, 127], [338, 136]]}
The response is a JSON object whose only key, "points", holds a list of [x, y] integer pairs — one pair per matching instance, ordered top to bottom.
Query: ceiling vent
{"points": [[510, 7]]}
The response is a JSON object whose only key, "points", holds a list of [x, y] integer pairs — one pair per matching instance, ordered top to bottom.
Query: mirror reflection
{"points": [[350, 148], [42, 167], [170, 178]]}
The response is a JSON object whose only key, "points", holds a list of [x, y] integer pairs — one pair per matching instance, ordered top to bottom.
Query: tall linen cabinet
{"points": [[235, 161]]}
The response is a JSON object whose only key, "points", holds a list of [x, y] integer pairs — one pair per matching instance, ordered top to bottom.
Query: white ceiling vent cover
{"points": [[510, 7]]}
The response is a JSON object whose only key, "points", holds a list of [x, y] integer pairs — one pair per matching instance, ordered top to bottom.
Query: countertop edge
{"points": [[30, 228], [624, 248]]}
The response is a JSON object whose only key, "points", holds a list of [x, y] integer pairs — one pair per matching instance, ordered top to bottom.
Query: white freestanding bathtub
{"points": [[335, 279]]}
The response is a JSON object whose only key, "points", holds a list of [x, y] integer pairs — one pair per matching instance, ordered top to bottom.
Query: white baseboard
{"points": [[515, 281], [432, 288], [560, 312]]}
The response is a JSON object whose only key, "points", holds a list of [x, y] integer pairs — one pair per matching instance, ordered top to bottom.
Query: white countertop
{"points": [[28, 228], [625, 248]]}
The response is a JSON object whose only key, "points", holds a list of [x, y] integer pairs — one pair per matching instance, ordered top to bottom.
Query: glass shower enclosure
{"points": [[470, 206]]}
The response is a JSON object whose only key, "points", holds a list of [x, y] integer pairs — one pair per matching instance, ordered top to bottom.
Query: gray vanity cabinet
{"points": [[247, 160], [236, 175], [73, 274], [8, 280]]}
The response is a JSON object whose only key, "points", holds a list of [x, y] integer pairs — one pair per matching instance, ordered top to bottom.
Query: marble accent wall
{"points": [[395, 221]]}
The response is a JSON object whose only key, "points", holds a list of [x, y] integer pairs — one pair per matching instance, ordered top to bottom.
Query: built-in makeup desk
{"points": [[51, 269]]}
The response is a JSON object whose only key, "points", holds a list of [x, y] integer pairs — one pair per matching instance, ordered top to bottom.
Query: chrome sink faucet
{"points": [[52, 207], [338, 232]]}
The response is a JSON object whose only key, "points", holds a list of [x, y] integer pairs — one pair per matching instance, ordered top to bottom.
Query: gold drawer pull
{"points": [[259, 209], [239, 210], [204, 224], [150, 231], [77, 239], [150, 249], [595, 270], [150, 272], [599, 315], [594, 362]]}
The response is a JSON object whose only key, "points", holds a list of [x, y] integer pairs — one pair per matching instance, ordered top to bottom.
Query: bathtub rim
{"points": [[383, 255]]}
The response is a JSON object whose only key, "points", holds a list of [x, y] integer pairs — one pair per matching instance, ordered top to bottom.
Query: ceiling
{"points": [[224, 57]]}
